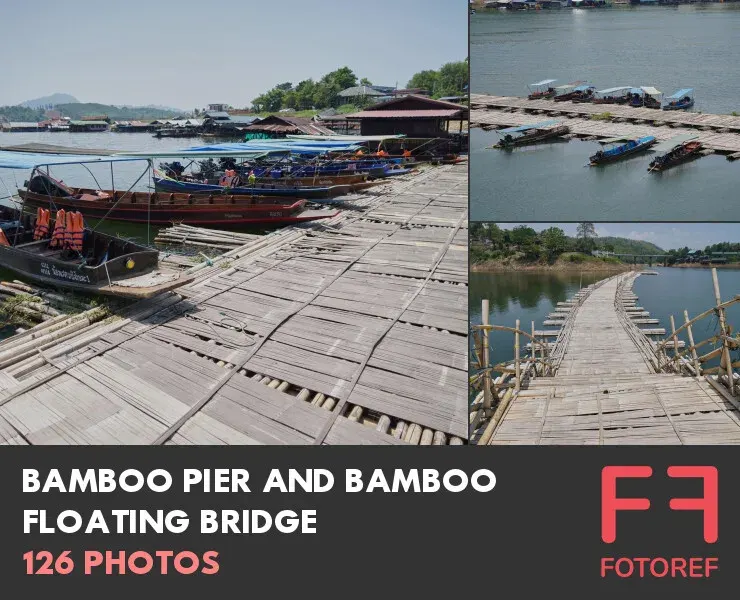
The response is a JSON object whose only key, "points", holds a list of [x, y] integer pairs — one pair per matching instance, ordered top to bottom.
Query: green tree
{"points": [[453, 77], [425, 80], [366, 81], [286, 87], [304, 92], [523, 235], [554, 241]]}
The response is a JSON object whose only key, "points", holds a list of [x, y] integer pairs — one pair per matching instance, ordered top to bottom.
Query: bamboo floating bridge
{"points": [[718, 133], [352, 330], [602, 377]]}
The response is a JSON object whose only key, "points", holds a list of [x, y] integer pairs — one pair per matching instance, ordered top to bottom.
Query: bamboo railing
{"points": [[494, 393]]}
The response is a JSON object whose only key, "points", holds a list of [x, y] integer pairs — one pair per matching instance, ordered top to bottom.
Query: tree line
{"points": [[450, 80]]}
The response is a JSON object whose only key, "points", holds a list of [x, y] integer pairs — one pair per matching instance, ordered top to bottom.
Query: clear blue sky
{"points": [[187, 54], [696, 236]]}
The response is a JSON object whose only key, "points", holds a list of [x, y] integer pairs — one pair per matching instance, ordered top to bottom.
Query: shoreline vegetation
{"points": [[493, 249]]}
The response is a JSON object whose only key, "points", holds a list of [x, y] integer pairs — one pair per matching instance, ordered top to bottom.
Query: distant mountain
{"points": [[52, 100], [170, 109], [117, 113]]}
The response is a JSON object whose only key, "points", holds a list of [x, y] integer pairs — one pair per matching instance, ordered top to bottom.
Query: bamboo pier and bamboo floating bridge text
{"points": [[600, 378]]}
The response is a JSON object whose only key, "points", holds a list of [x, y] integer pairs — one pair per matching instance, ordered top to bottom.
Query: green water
{"points": [[531, 296]]}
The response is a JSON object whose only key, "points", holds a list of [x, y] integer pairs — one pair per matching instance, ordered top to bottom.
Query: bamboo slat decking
{"points": [[720, 133], [347, 331], [608, 388]]}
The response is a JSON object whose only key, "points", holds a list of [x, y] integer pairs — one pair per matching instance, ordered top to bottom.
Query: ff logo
{"points": [[611, 505]]}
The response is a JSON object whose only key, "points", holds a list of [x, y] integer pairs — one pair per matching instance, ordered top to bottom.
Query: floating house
{"points": [[413, 116], [20, 126], [88, 126]]}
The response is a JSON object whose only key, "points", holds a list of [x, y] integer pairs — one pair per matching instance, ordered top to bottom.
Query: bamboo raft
{"points": [[717, 133], [351, 331], [605, 380]]}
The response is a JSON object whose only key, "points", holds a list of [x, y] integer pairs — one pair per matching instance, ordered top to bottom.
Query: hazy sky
{"points": [[187, 54], [696, 236]]}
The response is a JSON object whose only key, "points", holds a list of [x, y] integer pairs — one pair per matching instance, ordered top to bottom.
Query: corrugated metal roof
{"points": [[406, 114], [88, 123]]}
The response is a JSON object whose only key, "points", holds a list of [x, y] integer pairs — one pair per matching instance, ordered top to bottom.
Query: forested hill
{"points": [[620, 245]]}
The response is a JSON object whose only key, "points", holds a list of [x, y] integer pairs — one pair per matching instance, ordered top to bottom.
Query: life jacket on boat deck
{"points": [[406, 153], [42, 224], [60, 226], [75, 231], [3, 240]]}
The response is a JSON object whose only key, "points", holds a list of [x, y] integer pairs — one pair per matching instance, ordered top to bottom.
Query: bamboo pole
{"points": [[675, 338], [534, 352], [694, 355], [517, 361], [726, 361], [487, 400]]}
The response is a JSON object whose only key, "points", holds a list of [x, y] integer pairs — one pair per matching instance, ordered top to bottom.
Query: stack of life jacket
{"points": [[41, 230]]}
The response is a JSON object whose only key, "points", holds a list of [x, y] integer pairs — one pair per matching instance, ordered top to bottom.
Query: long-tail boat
{"points": [[541, 89], [615, 95], [681, 100], [530, 134], [621, 147], [677, 150], [163, 208], [100, 264]]}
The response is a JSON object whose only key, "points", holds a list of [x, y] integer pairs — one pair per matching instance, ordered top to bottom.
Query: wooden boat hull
{"points": [[541, 95], [683, 106], [549, 134], [694, 152], [612, 158], [186, 187], [223, 210], [121, 275]]}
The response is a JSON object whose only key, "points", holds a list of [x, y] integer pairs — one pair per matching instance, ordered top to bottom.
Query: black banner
{"points": [[541, 529]]}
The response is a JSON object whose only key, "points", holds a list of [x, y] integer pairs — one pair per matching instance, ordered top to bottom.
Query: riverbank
{"points": [[562, 265], [735, 266]]}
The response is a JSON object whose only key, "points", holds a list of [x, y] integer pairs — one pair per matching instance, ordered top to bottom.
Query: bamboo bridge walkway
{"points": [[719, 133], [348, 331], [604, 381]]}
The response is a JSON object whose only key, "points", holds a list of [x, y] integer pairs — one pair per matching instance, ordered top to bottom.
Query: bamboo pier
{"points": [[717, 133], [351, 330], [606, 379]]}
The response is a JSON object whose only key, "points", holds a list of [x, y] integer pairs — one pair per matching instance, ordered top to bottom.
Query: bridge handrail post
{"points": [[675, 344], [694, 355], [726, 358], [517, 361], [487, 395]]}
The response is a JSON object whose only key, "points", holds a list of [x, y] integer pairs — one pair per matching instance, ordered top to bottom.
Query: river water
{"points": [[667, 47], [531, 296]]}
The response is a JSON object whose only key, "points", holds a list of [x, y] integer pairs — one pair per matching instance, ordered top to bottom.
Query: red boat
{"points": [[161, 208]]}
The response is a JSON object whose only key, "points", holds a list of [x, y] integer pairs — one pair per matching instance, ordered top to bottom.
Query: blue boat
{"points": [[681, 100], [620, 148], [165, 184]]}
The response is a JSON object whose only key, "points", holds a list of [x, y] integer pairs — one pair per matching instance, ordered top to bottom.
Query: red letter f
{"points": [[610, 504], [708, 504]]}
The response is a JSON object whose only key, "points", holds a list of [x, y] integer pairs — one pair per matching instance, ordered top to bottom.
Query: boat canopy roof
{"points": [[543, 82], [583, 88], [614, 90], [651, 91], [681, 93], [520, 128], [344, 138], [671, 143], [265, 147], [202, 152], [30, 160]]}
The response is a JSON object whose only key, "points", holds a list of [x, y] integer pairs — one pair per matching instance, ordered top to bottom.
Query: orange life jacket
{"points": [[407, 153], [42, 224], [60, 226], [75, 231], [3, 240]]}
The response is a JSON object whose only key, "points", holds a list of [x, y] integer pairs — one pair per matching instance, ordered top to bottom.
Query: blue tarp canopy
{"points": [[543, 82], [615, 89], [681, 93], [528, 127], [29, 160]]}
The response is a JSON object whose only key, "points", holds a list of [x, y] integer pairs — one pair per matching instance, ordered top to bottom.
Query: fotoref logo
{"points": [[617, 510]]}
